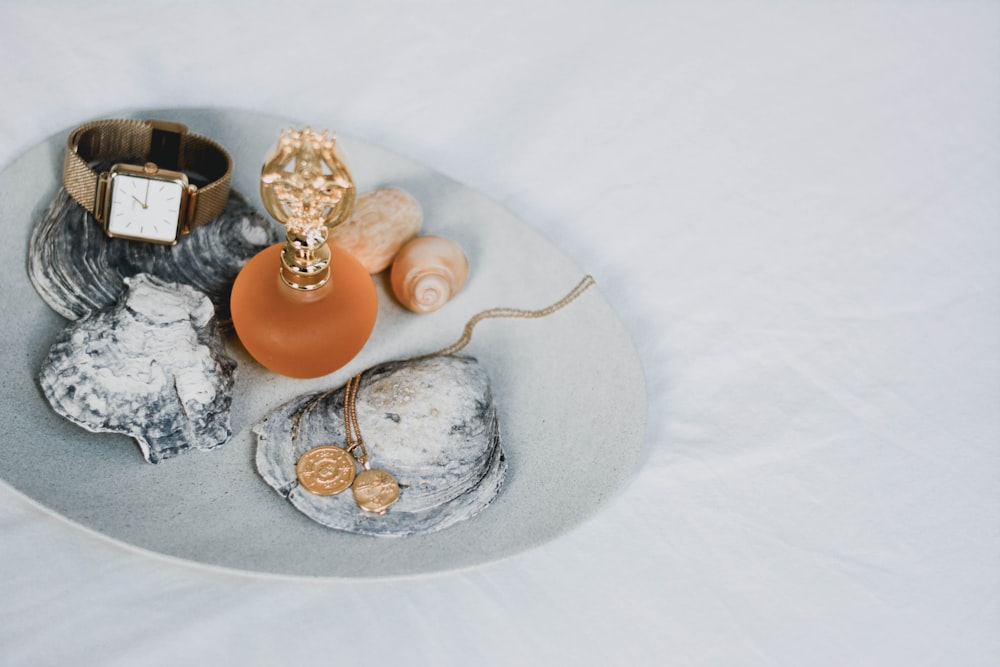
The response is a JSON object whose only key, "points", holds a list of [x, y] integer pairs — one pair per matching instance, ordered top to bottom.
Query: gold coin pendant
{"points": [[326, 470], [375, 490]]}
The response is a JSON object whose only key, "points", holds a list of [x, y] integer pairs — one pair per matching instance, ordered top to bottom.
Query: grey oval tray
{"points": [[570, 391]]}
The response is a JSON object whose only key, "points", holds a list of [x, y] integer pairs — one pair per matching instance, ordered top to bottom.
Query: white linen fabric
{"points": [[794, 209]]}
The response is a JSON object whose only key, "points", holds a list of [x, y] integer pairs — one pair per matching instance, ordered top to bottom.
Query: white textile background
{"points": [[794, 208]]}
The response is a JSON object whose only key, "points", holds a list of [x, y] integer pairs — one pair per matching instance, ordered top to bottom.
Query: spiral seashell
{"points": [[427, 272]]}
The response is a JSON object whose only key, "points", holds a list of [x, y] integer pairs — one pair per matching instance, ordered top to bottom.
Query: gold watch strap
{"points": [[137, 141]]}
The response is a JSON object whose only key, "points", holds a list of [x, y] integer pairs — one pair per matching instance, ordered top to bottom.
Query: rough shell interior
{"points": [[152, 366], [431, 422]]}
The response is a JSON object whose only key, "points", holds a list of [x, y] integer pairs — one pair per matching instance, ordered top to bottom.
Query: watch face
{"points": [[144, 208]]}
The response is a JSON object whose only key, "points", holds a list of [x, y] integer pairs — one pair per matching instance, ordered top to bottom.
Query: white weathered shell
{"points": [[382, 221], [77, 269], [427, 272], [152, 366], [430, 422]]}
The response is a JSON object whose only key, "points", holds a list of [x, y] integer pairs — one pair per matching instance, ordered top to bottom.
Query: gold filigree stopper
{"points": [[306, 186]]}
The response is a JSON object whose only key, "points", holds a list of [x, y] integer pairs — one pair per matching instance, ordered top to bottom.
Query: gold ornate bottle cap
{"points": [[305, 185]]}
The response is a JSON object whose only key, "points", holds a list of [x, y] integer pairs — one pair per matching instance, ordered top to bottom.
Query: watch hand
{"points": [[145, 200]]}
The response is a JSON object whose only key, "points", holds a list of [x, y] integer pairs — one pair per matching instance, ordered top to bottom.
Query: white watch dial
{"points": [[144, 208]]}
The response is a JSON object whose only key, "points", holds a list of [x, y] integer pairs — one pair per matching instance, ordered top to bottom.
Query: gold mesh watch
{"points": [[149, 194]]}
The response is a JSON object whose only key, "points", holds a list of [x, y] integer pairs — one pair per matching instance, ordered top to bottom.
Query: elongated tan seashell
{"points": [[382, 221], [427, 272]]}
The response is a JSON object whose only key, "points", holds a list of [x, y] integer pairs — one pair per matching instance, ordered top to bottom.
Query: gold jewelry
{"points": [[147, 196], [492, 313], [323, 470], [328, 470], [374, 490]]}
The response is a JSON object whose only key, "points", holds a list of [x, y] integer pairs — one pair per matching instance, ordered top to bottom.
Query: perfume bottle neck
{"points": [[305, 260]]}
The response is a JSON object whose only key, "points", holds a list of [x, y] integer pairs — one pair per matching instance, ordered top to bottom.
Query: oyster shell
{"points": [[382, 221], [78, 270], [152, 366], [430, 422]]}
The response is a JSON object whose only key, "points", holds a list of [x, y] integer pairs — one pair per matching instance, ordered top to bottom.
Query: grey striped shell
{"points": [[78, 270], [430, 422]]}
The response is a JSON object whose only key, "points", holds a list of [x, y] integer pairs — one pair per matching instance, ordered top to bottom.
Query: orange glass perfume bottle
{"points": [[303, 308]]}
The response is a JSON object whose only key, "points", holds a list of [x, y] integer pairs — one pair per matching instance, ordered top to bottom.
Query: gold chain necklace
{"points": [[328, 470]]}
